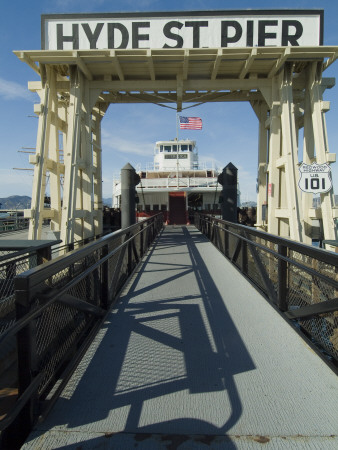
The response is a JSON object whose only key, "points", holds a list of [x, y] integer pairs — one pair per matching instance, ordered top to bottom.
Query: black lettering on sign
{"points": [[196, 25], [236, 30], [249, 33], [262, 34], [111, 35], [136, 36], [92, 37], [176, 37], [73, 38], [292, 38]]}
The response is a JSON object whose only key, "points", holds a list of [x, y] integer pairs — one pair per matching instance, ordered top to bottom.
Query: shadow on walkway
{"points": [[167, 354]]}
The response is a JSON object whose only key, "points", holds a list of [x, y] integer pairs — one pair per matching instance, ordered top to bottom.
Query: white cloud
{"points": [[10, 90], [126, 145], [15, 182]]}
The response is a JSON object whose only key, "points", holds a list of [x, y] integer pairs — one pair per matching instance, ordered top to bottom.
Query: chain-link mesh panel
{"points": [[5, 253], [8, 270], [302, 277], [308, 289], [58, 331], [52, 339]]}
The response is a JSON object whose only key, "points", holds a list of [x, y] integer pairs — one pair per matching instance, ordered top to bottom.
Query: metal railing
{"points": [[13, 223], [15, 262], [300, 280], [59, 307]]}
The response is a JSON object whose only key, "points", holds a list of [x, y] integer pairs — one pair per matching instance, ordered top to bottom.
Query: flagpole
{"points": [[177, 120], [177, 126]]}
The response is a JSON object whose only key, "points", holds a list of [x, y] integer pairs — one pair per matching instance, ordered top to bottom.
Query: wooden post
{"points": [[261, 110], [321, 146], [308, 153], [274, 155], [71, 157], [290, 158], [40, 159], [97, 172]]}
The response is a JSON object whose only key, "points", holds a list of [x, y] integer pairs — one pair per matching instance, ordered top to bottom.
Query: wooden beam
{"points": [[28, 60], [331, 60], [280, 62], [217, 63], [248, 63], [117, 65], [151, 65], [185, 65], [82, 66], [190, 85]]}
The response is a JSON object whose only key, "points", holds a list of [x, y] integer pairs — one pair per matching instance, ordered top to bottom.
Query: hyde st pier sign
{"points": [[208, 29]]}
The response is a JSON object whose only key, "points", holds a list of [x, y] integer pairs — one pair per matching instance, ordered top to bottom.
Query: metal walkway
{"points": [[193, 357]]}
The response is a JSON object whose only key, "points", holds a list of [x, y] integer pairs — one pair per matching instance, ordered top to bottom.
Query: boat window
{"points": [[184, 147], [161, 148], [167, 148], [174, 148], [190, 148], [156, 207], [163, 207], [147, 208]]}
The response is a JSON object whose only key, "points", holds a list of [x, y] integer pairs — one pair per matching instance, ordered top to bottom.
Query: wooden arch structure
{"points": [[284, 85]]}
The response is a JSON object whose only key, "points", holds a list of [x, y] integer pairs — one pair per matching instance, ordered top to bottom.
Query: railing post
{"points": [[208, 227], [152, 230], [141, 241], [226, 241], [44, 254], [130, 255], [244, 257], [282, 279], [104, 280], [27, 358]]}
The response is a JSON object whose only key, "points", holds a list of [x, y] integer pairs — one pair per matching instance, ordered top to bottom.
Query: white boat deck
{"points": [[193, 357]]}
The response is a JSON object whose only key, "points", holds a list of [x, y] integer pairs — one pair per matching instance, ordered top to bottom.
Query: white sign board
{"points": [[197, 29], [315, 178]]}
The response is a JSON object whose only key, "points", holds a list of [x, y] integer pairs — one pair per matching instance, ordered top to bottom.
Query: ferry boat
{"points": [[176, 184]]}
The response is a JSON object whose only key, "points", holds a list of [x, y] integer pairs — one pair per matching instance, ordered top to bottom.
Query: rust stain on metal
{"points": [[108, 435], [175, 439], [261, 439]]}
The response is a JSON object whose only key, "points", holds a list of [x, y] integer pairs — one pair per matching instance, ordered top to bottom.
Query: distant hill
{"points": [[107, 201], [15, 202], [24, 202], [248, 204]]}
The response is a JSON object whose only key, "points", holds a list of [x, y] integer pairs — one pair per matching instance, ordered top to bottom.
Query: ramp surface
{"points": [[193, 357]]}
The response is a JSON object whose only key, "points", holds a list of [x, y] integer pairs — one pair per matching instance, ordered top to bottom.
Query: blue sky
{"points": [[130, 131]]}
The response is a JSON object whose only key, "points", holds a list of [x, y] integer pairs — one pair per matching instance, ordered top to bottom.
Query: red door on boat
{"points": [[177, 208]]}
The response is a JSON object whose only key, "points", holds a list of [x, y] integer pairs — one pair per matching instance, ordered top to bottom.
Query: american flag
{"points": [[190, 123]]}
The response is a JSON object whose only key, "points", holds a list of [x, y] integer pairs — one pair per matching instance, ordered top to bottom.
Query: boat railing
{"points": [[180, 181]]}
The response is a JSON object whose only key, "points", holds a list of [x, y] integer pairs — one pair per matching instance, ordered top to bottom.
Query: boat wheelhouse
{"points": [[176, 184]]}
